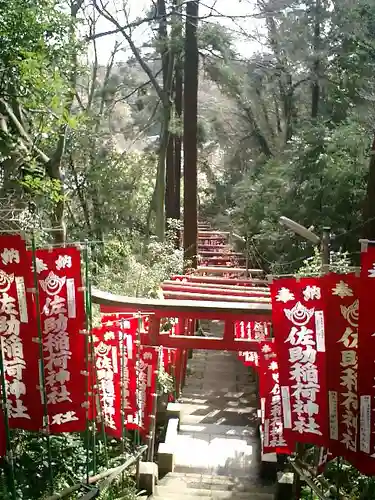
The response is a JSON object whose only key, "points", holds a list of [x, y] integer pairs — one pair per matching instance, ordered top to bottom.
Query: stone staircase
{"points": [[216, 449], [190, 486]]}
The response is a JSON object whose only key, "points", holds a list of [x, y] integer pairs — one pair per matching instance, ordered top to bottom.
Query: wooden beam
{"points": [[214, 233], [213, 238], [214, 248], [220, 254], [221, 258], [221, 262], [229, 270], [253, 282], [217, 286], [244, 292], [168, 294], [112, 303], [211, 343]]}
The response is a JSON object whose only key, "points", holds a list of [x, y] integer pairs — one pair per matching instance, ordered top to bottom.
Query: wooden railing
{"points": [[107, 476]]}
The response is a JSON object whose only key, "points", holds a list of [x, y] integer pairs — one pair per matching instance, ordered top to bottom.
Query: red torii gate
{"points": [[228, 296], [228, 312]]}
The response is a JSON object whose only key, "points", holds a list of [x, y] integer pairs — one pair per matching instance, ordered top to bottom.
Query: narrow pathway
{"points": [[218, 426], [217, 449]]}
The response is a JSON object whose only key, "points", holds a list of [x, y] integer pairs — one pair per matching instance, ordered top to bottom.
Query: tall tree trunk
{"points": [[315, 86], [277, 114], [190, 134], [178, 140], [165, 162], [54, 166], [169, 170], [54, 171], [173, 172], [160, 177], [170, 181], [81, 196], [160, 198], [369, 205]]}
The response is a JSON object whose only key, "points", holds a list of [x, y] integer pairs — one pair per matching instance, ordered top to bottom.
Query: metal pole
{"points": [[325, 251], [43, 386], [152, 428], [152, 431]]}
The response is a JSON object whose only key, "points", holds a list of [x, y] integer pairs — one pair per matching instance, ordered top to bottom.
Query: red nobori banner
{"points": [[62, 315], [341, 320], [141, 322], [298, 322], [252, 330], [18, 336], [366, 350], [166, 354], [267, 355], [115, 356], [145, 369], [147, 373], [107, 377], [129, 380], [271, 409]]}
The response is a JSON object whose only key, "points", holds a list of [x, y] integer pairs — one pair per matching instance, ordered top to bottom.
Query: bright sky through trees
{"points": [[237, 15]]}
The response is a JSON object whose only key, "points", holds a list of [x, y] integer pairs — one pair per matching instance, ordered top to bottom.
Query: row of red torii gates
{"points": [[221, 288]]}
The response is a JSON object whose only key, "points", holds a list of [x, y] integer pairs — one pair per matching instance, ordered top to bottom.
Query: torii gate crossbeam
{"points": [[229, 312]]}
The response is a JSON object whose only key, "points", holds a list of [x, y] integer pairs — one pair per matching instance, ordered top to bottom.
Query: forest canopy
{"points": [[285, 109]]}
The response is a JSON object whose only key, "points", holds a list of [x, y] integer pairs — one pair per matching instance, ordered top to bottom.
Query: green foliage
{"points": [[32, 34], [214, 38], [38, 51], [319, 179], [48, 188], [312, 266], [131, 268], [165, 382], [69, 464], [355, 485]]}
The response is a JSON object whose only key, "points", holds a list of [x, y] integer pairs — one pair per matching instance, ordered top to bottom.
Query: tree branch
{"points": [[146, 68], [7, 110]]}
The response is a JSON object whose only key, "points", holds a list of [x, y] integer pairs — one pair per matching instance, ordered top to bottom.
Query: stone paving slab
{"points": [[217, 430], [165, 492]]}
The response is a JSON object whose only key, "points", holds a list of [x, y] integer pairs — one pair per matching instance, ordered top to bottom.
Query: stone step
{"points": [[228, 371], [219, 379], [217, 385], [208, 388], [224, 392], [208, 398], [218, 402], [218, 430], [187, 481], [188, 493], [215, 495]]}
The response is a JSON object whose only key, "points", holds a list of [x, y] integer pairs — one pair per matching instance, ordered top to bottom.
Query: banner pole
{"points": [[41, 363]]}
